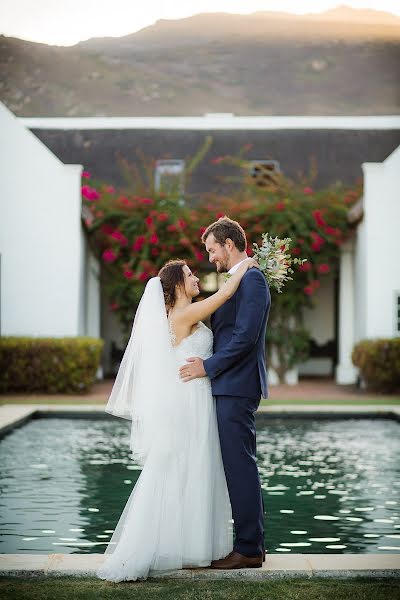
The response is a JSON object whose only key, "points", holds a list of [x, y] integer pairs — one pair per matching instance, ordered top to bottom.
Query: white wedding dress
{"points": [[178, 514]]}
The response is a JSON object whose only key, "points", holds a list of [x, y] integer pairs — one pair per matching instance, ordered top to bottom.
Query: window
{"points": [[263, 171], [169, 178]]}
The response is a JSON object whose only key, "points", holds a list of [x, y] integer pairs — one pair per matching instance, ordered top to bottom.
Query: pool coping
{"points": [[14, 415], [275, 566]]}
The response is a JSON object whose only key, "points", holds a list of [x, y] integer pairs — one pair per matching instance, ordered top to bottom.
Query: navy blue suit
{"points": [[238, 377]]}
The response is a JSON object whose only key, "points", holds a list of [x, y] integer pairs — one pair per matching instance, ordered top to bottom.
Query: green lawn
{"points": [[88, 588]]}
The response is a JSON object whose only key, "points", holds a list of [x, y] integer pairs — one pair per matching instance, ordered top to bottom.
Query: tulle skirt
{"points": [[178, 514]]}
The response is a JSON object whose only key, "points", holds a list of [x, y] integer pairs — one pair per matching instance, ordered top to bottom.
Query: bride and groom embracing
{"points": [[192, 394]]}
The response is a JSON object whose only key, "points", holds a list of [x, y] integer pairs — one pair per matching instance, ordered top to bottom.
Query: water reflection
{"points": [[329, 486]]}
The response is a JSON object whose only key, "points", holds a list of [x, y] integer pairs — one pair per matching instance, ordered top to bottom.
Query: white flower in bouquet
{"points": [[275, 260]]}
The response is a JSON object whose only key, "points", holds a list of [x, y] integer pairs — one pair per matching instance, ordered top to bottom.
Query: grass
{"points": [[87, 588]]}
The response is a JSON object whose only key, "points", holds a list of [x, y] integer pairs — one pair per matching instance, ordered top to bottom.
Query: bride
{"points": [[178, 514]]}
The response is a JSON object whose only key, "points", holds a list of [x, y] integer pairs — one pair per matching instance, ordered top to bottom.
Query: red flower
{"points": [[217, 160], [86, 175], [110, 189], [308, 190], [89, 193], [146, 201], [280, 206], [317, 214], [219, 215], [162, 217], [148, 221], [181, 223], [107, 228], [172, 228], [202, 230], [332, 231], [117, 235], [154, 238], [185, 241], [300, 241], [318, 241], [138, 244], [296, 250], [249, 251], [154, 252], [109, 255], [199, 255], [305, 267], [323, 268], [128, 274], [144, 276], [309, 290], [114, 306]]}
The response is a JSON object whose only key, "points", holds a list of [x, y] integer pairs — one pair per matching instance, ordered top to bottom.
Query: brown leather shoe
{"points": [[234, 560]]}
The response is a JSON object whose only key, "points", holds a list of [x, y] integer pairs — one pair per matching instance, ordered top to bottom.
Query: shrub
{"points": [[379, 362], [48, 365]]}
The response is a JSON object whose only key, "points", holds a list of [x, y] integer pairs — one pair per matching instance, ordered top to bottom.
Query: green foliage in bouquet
{"points": [[379, 363], [49, 365]]}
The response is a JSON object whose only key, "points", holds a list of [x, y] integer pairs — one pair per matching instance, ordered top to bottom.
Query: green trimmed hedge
{"points": [[379, 362], [49, 365]]}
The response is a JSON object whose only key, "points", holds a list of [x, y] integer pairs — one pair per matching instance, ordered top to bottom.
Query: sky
{"points": [[66, 22]]}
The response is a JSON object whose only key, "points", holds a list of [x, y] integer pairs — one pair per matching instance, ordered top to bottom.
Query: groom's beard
{"points": [[222, 266]]}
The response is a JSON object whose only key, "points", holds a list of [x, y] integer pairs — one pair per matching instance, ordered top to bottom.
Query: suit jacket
{"points": [[237, 367]]}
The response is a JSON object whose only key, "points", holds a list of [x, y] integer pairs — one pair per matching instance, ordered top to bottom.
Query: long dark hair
{"points": [[172, 275]]}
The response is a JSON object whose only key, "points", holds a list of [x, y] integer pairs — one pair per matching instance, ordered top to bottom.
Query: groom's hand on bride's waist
{"points": [[192, 370]]}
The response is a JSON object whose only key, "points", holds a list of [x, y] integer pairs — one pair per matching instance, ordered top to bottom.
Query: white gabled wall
{"points": [[40, 236]]}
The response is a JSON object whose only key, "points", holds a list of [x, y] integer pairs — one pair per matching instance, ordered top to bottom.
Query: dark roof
{"points": [[338, 153]]}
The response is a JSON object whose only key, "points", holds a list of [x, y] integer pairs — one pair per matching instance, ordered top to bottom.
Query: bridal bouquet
{"points": [[275, 260]]}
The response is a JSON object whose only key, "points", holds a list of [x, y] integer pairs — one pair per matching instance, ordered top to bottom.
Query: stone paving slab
{"points": [[275, 567]]}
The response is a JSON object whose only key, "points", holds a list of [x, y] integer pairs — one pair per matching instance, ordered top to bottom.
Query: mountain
{"points": [[343, 61]]}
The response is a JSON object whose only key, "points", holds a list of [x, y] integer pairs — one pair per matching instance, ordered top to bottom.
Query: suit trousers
{"points": [[237, 433]]}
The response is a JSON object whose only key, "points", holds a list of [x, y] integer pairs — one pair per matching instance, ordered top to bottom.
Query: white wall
{"points": [[40, 236], [377, 257]]}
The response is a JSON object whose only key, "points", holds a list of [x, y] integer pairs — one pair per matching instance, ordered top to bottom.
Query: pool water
{"points": [[330, 486]]}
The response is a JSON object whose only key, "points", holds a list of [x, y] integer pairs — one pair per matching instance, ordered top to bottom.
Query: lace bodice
{"points": [[199, 343]]}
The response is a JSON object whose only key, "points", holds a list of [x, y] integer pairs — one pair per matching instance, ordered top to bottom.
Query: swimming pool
{"points": [[329, 485]]}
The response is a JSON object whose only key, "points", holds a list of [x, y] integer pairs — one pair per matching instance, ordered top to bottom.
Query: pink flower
{"points": [[217, 160], [86, 175], [110, 189], [308, 190], [90, 193], [146, 201], [280, 206], [317, 214], [162, 217], [148, 221], [172, 228], [107, 229], [202, 230], [332, 231], [117, 235], [154, 238], [318, 241], [138, 244], [296, 250], [155, 252], [109, 255], [323, 268], [128, 274], [144, 276], [309, 290], [114, 306]]}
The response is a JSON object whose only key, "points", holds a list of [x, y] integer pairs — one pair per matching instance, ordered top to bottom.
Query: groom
{"points": [[238, 376]]}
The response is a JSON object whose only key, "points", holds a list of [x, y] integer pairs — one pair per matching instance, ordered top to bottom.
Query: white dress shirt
{"points": [[233, 269]]}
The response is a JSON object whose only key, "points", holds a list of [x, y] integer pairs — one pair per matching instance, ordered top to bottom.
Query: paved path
{"points": [[275, 566]]}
